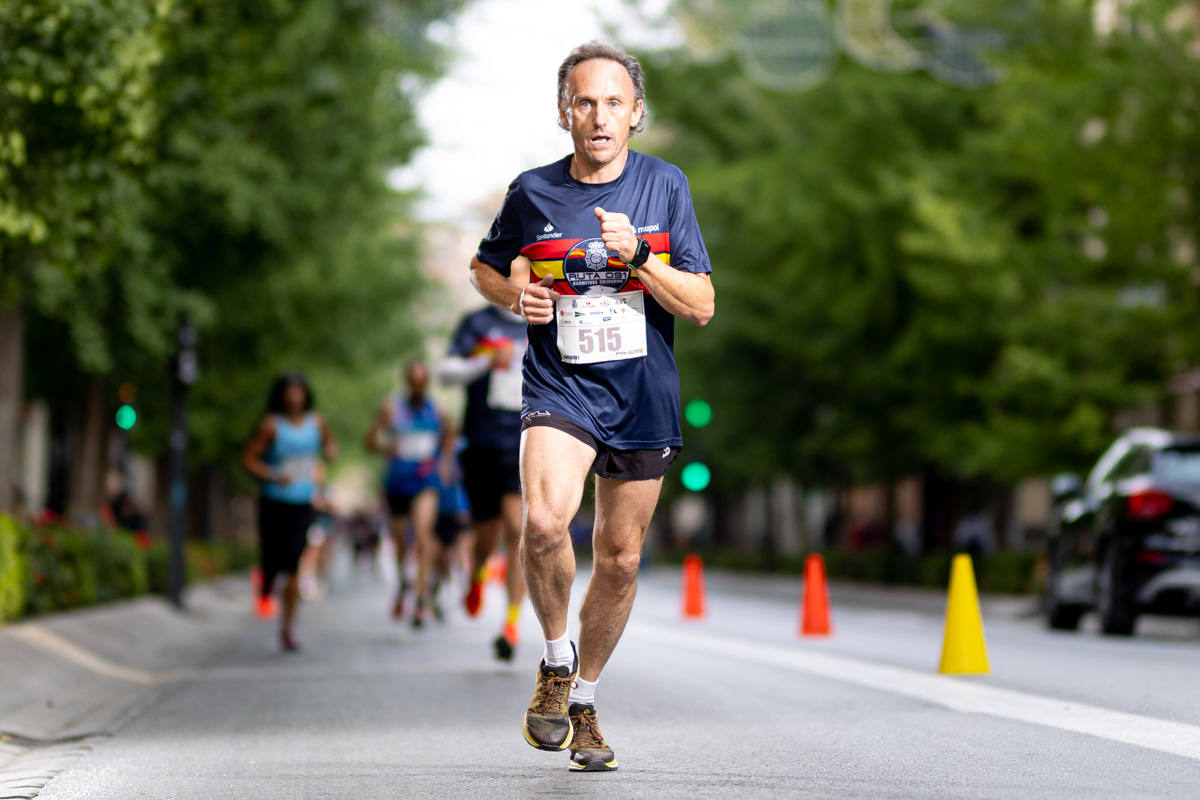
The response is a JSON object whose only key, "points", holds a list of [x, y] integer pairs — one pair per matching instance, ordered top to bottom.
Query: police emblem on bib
{"points": [[589, 269]]}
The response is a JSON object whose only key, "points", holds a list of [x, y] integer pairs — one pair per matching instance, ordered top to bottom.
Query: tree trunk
{"points": [[12, 350], [90, 463]]}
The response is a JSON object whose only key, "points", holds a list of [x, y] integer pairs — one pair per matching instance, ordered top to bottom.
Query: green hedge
{"points": [[47, 568], [12, 571], [1002, 573]]}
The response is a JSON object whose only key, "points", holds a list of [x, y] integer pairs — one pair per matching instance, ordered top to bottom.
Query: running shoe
{"points": [[473, 602], [398, 606], [266, 607], [418, 618], [506, 643], [288, 644], [547, 725], [589, 751]]}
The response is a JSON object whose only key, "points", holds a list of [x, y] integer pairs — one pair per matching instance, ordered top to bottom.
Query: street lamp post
{"points": [[183, 376]]}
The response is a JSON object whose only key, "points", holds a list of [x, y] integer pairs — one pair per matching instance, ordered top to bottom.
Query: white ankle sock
{"points": [[559, 652], [583, 692]]}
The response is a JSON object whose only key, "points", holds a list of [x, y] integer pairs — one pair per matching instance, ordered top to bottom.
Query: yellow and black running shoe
{"points": [[547, 725], [589, 751]]}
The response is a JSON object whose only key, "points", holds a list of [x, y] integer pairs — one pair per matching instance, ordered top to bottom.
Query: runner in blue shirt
{"points": [[616, 254], [412, 432], [285, 453]]}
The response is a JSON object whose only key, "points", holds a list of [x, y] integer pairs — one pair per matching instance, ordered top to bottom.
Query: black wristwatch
{"points": [[642, 254]]}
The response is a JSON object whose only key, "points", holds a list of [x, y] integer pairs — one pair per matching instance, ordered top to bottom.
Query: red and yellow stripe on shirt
{"points": [[546, 258], [488, 345]]}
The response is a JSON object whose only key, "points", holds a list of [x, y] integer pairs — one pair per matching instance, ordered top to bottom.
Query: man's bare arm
{"points": [[685, 294], [688, 295], [534, 303]]}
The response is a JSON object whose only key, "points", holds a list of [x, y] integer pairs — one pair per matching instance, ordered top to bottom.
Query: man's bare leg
{"points": [[554, 466], [623, 512], [424, 517], [510, 518], [398, 530], [487, 534], [291, 602]]}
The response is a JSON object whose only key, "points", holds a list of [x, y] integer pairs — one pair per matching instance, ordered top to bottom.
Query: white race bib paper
{"points": [[606, 327], [504, 387], [415, 446]]}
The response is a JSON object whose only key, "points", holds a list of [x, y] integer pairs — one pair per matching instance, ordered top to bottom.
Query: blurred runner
{"points": [[617, 253], [485, 356], [412, 433], [285, 453], [453, 520]]}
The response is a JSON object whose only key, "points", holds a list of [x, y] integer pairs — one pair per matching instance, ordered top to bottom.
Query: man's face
{"points": [[600, 110], [417, 377]]}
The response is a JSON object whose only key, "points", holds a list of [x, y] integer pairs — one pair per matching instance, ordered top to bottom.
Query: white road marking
{"points": [[51, 642], [958, 694]]}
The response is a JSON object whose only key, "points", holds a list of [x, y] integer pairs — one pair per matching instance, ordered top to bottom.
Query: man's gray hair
{"points": [[598, 49]]}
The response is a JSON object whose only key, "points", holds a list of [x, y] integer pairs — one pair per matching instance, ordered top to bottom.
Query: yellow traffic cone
{"points": [[964, 651]]}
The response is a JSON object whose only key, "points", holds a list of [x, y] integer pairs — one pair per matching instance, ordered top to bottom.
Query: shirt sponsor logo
{"points": [[646, 229], [549, 233]]}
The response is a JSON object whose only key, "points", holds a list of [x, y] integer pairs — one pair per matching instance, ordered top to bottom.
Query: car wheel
{"points": [[1117, 614], [1060, 616]]}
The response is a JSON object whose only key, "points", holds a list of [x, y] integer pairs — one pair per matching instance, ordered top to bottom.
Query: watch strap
{"points": [[642, 255]]}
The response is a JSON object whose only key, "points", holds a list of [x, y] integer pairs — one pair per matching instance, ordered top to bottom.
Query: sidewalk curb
{"points": [[84, 673]]}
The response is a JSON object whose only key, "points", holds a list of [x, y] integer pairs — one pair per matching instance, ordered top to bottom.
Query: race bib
{"points": [[606, 327], [504, 387], [415, 446], [299, 469]]}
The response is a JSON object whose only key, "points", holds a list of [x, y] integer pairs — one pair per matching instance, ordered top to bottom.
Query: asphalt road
{"points": [[732, 706]]}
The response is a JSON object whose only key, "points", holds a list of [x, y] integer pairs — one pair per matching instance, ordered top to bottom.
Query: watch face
{"points": [[643, 252]]}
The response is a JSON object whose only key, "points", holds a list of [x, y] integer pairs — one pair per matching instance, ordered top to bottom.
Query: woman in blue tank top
{"points": [[414, 436], [286, 453]]}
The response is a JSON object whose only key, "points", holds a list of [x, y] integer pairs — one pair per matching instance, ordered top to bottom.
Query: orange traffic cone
{"points": [[693, 587], [815, 611]]}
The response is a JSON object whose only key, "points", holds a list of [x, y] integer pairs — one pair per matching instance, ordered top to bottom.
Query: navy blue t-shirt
{"points": [[547, 216], [489, 421]]}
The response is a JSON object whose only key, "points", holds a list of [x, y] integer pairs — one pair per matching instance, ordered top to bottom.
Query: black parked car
{"points": [[1127, 541]]}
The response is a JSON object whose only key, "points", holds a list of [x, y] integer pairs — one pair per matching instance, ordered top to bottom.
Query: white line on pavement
{"points": [[51, 642], [958, 694]]}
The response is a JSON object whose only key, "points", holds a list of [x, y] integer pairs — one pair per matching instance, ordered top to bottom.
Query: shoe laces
{"points": [[551, 693], [587, 732]]}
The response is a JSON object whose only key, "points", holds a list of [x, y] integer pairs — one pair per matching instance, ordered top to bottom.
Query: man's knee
{"points": [[545, 528], [620, 565]]}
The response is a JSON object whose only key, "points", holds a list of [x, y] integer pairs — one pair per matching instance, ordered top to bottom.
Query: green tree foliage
{"points": [[77, 115], [280, 122], [221, 158], [912, 275]]}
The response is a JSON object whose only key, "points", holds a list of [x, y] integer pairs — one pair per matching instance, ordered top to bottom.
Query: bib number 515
{"points": [[599, 340]]}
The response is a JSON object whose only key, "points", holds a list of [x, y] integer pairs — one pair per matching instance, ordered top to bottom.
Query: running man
{"points": [[617, 254], [485, 355], [418, 443], [285, 453]]}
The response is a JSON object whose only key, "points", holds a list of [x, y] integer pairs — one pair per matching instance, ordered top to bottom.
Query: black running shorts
{"points": [[623, 465], [489, 474], [447, 528], [282, 537]]}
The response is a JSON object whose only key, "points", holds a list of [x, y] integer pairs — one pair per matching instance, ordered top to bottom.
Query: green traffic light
{"points": [[698, 413], [126, 417], [695, 476]]}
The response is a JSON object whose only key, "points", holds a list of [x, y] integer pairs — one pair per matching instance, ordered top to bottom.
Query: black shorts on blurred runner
{"points": [[622, 465], [489, 474], [282, 537]]}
